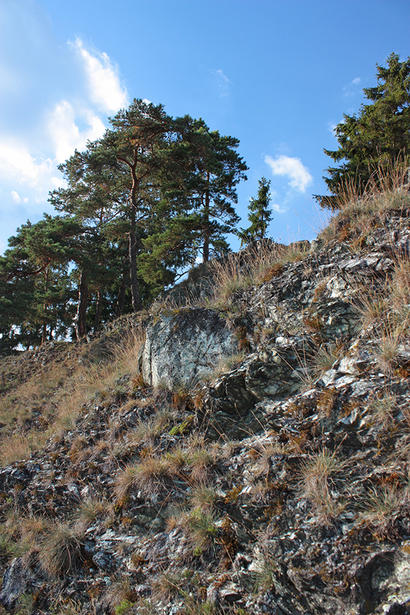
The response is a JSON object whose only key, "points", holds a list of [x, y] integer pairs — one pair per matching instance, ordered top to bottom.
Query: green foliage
{"points": [[375, 137], [199, 193], [138, 207], [259, 214], [35, 283], [124, 607]]}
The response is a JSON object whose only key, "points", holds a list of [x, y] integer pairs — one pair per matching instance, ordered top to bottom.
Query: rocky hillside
{"points": [[240, 448]]}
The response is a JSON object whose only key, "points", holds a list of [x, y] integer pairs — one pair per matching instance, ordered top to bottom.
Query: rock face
{"points": [[183, 347], [277, 487]]}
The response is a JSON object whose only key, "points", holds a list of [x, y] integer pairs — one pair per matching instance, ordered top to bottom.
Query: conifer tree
{"points": [[375, 137], [136, 146], [205, 170], [91, 197], [259, 214], [35, 278]]}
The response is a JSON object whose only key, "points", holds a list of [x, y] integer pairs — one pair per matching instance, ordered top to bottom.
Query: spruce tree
{"points": [[375, 137], [259, 214]]}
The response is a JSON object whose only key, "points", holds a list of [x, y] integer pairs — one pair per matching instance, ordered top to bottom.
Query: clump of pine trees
{"points": [[140, 205]]}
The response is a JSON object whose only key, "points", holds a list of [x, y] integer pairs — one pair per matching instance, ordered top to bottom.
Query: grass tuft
{"points": [[61, 551]]}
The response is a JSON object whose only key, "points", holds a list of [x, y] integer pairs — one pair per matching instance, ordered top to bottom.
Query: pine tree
{"points": [[375, 137], [136, 146], [206, 170], [93, 198], [259, 214], [37, 291]]}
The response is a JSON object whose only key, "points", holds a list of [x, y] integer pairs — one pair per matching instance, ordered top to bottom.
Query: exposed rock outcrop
{"points": [[183, 347], [278, 487]]}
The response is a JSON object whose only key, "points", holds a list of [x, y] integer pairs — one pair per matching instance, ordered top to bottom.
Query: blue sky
{"points": [[276, 74]]}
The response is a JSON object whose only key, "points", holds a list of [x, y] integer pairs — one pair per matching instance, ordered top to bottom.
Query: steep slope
{"points": [[249, 457]]}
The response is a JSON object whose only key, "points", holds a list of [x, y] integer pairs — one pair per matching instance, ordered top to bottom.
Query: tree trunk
{"points": [[205, 252], [132, 253], [121, 295], [45, 306], [97, 310], [80, 318], [43, 333]]}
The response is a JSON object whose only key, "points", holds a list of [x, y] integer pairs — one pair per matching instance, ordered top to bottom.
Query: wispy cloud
{"points": [[103, 81], [224, 83], [351, 88], [28, 168], [292, 168], [17, 198], [278, 208]]}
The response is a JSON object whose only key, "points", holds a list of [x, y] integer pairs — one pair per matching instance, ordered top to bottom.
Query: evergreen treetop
{"points": [[376, 136], [260, 214]]}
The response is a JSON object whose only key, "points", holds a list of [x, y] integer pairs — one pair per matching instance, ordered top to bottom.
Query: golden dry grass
{"points": [[359, 211], [256, 265], [385, 310], [50, 400], [315, 484], [61, 551]]}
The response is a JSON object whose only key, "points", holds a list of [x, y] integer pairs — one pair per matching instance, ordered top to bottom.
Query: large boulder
{"points": [[184, 346]]}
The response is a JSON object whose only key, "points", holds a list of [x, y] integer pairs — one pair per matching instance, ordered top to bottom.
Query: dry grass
{"points": [[360, 211], [256, 265], [385, 310], [387, 350], [324, 357], [225, 364], [50, 401], [382, 409], [147, 431], [14, 448], [200, 462], [190, 463], [147, 476], [316, 484], [203, 497], [381, 507], [92, 509], [201, 529], [19, 535], [61, 551], [168, 585], [119, 593]]}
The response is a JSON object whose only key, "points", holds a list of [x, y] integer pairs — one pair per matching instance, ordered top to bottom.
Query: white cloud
{"points": [[222, 75], [103, 81], [356, 81], [65, 133], [17, 163], [20, 168], [293, 168], [17, 198], [278, 208]]}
